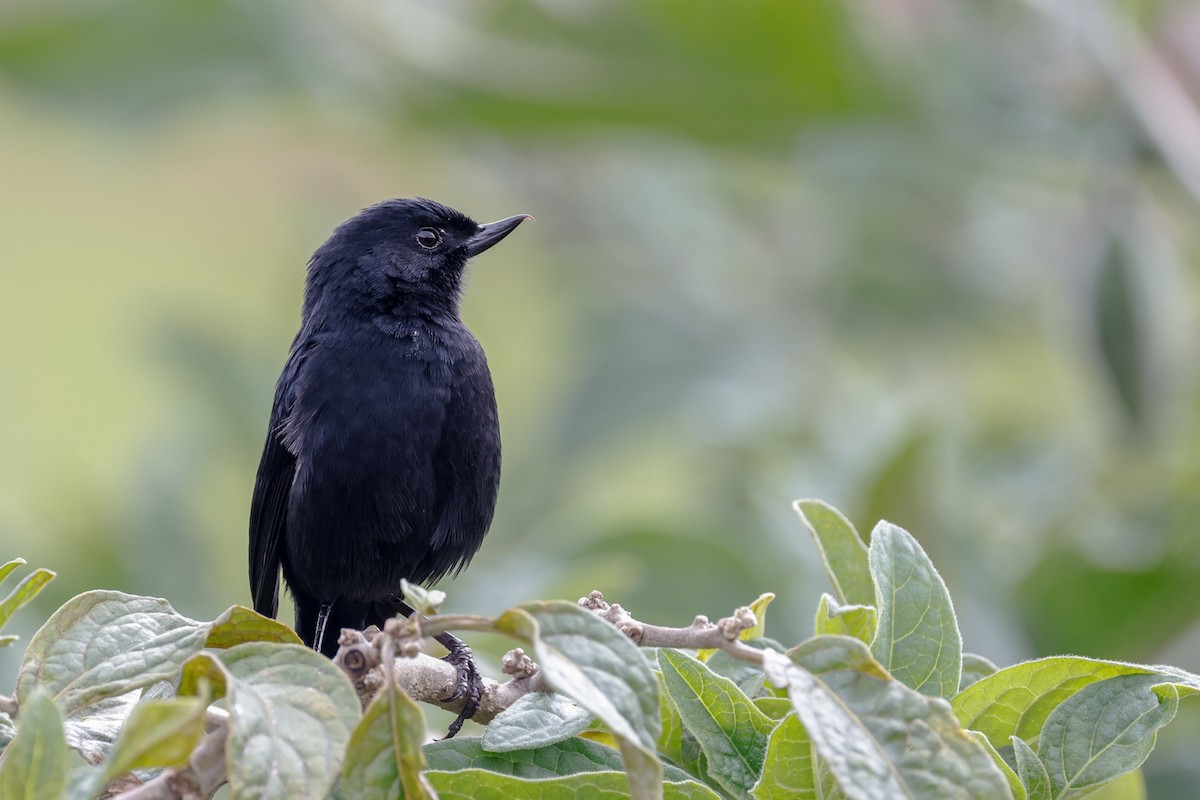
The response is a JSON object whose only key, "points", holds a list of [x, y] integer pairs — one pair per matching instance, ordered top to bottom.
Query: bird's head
{"points": [[397, 254]]}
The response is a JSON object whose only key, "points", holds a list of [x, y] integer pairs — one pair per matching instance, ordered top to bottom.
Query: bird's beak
{"points": [[492, 232]]}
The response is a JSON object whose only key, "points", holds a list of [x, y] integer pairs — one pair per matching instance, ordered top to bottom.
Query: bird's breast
{"points": [[378, 422]]}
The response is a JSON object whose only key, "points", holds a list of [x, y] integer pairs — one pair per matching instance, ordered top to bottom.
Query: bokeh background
{"points": [[930, 261]]}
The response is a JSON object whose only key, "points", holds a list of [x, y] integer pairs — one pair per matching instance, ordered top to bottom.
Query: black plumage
{"points": [[382, 458]]}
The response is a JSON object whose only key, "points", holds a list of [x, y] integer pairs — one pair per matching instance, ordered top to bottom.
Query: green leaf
{"points": [[842, 552], [8, 567], [24, 591], [425, 602], [833, 618], [239, 625], [917, 638], [102, 644], [590, 661], [975, 668], [204, 673], [748, 676], [1017, 700], [774, 707], [290, 715], [537, 719], [730, 729], [1105, 730], [93, 731], [158, 733], [879, 738], [676, 742], [384, 757], [562, 758], [34, 765], [788, 767], [1031, 771], [85, 781], [1014, 781], [472, 784]]}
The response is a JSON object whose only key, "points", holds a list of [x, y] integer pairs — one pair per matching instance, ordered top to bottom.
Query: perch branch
{"points": [[425, 678], [429, 679], [200, 778]]}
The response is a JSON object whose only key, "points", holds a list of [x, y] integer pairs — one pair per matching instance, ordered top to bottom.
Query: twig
{"points": [[700, 635], [429, 680], [204, 773]]}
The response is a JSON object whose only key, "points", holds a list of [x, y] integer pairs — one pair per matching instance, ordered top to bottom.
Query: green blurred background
{"points": [[928, 260]]}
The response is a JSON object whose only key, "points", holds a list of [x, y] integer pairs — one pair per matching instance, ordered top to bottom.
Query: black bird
{"points": [[382, 458]]}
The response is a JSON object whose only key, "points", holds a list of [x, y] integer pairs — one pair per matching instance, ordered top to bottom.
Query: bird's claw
{"points": [[468, 686]]}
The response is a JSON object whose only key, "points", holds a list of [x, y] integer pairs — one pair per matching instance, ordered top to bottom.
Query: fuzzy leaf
{"points": [[842, 551], [9, 567], [24, 591], [833, 618], [239, 625], [916, 638], [103, 644], [590, 661], [975, 668], [749, 677], [1017, 700], [774, 707], [290, 715], [535, 720], [730, 729], [93, 731], [1104, 731], [158, 733], [879, 738], [676, 742], [384, 757], [562, 758], [34, 765], [788, 767], [1031, 771], [1014, 781], [473, 784]]}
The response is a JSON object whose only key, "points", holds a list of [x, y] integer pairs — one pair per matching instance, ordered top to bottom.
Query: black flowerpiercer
{"points": [[382, 458]]}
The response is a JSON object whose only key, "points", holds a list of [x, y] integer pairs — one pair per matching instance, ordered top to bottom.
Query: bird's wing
{"points": [[466, 468], [272, 487]]}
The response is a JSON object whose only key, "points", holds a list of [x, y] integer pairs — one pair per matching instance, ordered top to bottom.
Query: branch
{"points": [[700, 635], [425, 678], [430, 680], [204, 773]]}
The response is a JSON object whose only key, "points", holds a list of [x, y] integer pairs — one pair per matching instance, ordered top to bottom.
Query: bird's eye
{"points": [[429, 238]]}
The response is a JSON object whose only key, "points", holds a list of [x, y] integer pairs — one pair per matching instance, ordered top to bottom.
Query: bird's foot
{"points": [[468, 687]]}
